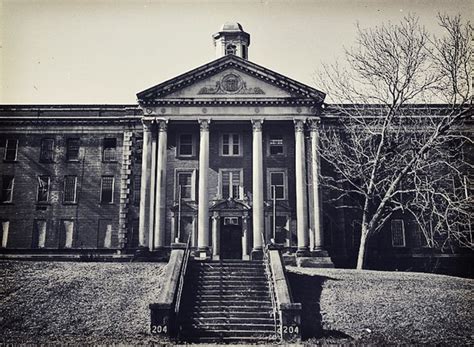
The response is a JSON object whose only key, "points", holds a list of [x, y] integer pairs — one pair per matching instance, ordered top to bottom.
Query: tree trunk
{"points": [[362, 248]]}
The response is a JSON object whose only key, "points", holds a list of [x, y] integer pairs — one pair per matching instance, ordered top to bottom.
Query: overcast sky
{"points": [[86, 52]]}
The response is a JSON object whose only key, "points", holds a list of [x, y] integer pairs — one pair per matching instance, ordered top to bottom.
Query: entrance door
{"points": [[231, 242]]}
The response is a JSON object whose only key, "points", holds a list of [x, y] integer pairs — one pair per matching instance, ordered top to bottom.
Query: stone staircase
{"points": [[227, 301]]}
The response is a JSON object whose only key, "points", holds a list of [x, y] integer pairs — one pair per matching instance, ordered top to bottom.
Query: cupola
{"points": [[231, 39]]}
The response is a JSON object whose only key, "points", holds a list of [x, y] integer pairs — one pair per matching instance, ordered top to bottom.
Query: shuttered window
{"points": [[47, 148], [11, 149], [72, 149], [110, 150], [70, 184], [7, 188], [107, 190]]}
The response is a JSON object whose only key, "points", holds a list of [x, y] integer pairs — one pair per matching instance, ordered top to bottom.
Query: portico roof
{"points": [[283, 89]]}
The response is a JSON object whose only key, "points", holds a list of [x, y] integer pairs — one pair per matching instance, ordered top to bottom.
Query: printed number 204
{"points": [[158, 329], [290, 329]]}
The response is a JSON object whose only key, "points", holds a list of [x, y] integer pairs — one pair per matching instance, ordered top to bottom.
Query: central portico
{"points": [[225, 158]]}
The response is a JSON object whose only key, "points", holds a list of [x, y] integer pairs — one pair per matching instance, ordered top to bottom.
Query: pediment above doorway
{"points": [[230, 205]]}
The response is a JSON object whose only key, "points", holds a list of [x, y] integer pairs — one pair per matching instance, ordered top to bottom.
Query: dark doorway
{"points": [[231, 242]]}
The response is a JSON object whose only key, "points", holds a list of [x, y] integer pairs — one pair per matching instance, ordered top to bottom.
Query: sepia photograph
{"points": [[236, 172]]}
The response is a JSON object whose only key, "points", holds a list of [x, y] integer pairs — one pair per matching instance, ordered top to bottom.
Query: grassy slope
{"points": [[77, 302], [108, 302], [388, 307]]}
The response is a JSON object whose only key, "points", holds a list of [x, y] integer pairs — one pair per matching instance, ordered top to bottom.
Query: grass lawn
{"points": [[68, 302], [104, 303], [376, 307]]}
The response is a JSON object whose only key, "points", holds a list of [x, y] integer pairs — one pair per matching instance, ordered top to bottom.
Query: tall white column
{"points": [[257, 189], [160, 192], [301, 200], [203, 203], [151, 204], [317, 206], [144, 217], [215, 236]]}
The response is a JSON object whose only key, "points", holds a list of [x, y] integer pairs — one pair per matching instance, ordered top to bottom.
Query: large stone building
{"points": [[217, 154]]}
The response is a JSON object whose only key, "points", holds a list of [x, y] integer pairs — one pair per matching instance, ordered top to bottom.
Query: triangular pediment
{"points": [[230, 77], [229, 204]]}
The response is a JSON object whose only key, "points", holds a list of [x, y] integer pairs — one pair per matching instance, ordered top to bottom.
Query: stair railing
{"points": [[268, 270], [182, 275]]}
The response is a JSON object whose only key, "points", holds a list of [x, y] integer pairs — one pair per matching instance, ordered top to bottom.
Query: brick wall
{"points": [[88, 213]]}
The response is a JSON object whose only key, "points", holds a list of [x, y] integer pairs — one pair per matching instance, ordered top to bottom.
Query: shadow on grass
{"points": [[307, 291]]}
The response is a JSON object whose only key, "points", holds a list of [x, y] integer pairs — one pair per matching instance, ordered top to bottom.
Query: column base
{"points": [[303, 252], [319, 252], [257, 254], [314, 262]]}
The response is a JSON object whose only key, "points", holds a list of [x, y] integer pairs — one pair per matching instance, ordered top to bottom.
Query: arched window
{"points": [[230, 49]]}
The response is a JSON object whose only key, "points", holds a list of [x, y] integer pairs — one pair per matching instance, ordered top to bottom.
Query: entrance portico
{"points": [[227, 136]]}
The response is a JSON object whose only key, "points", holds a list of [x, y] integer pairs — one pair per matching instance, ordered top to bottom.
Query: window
{"points": [[230, 49], [185, 145], [230, 145], [275, 145], [47, 148], [11, 149], [139, 149], [72, 150], [109, 153], [277, 179], [185, 182], [231, 184], [7, 188], [43, 188], [70, 188], [136, 189], [107, 190], [231, 221], [4, 226], [398, 233], [67, 234], [105, 234], [38, 239]]}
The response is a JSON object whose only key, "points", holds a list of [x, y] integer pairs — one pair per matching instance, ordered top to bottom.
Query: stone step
{"points": [[244, 265], [258, 272], [233, 277], [228, 282], [226, 285], [227, 291], [241, 298], [231, 304], [265, 308], [229, 315], [228, 320], [229, 327], [200, 331], [270, 339]]}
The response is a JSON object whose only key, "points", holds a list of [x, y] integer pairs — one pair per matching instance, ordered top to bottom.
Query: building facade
{"points": [[225, 156]]}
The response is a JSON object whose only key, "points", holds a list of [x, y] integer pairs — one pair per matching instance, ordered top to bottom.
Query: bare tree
{"points": [[389, 131]]}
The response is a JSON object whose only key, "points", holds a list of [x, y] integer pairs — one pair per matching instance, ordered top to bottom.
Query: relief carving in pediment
{"points": [[231, 84]]}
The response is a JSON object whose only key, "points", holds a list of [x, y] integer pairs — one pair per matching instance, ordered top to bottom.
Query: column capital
{"points": [[147, 124], [204, 124], [257, 124], [299, 124], [314, 124], [162, 125], [215, 216]]}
